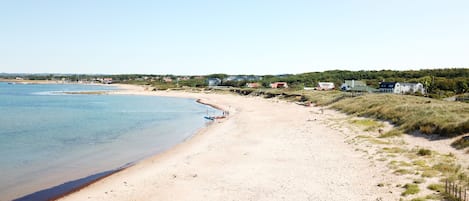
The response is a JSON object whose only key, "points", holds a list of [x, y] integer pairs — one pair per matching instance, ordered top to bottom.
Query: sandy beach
{"points": [[265, 150]]}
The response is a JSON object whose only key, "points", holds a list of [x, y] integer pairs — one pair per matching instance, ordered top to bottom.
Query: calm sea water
{"points": [[48, 138]]}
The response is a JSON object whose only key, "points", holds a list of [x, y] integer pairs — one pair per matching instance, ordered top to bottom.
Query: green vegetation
{"points": [[411, 113], [367, 124], [391, 133], [461, 143], [393, 150], [424, 152], [420, 163], [447, 168], [403, 171], [430, 173], [437, 187], [410, 189]]}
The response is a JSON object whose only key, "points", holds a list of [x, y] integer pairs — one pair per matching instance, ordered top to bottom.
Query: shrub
{"points": [[391, 133], [461, 143], [424, 152], [447, 167], [403, 171], [430, 173], [437, 187], [410, 189]]}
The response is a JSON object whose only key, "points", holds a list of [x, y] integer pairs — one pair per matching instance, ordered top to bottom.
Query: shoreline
{"points": [[200, 157], [61, 190]]}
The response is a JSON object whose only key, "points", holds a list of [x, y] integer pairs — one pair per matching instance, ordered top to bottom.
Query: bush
{"points": [[391, 133], [461, 143], [424, 152], [437, 187], [410, 189]]}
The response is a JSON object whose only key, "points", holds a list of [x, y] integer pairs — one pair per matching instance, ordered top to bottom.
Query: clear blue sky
{"points": [[234, 37]]}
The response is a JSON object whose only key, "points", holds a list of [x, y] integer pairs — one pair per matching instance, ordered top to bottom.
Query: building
{"points": [[167, 79], [107, 80], [213, 82], [253, 85], [277, 85], [348, 85], [325, 86], [356, 86], [401, 87]]}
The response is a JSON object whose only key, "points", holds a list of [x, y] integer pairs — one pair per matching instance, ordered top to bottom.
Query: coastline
{"points": [[251, 155], [201, 162], [76, 184]]}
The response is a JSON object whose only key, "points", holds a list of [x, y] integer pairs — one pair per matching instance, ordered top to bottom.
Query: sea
{"points": [[52, 141]]}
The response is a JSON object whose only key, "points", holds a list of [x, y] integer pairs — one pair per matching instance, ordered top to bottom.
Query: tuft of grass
{"points": [[367, 124], [391, 133], [376, 141], [461, 143], [393, 150], [424, 152], [382, 159], [420, 163], [447, 168], [403, 171], [430, 173], [418, 181], [437, 187], [410, 189], [433, 197], [419, 199]]}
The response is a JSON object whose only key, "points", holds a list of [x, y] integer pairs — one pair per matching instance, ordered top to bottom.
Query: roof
{"points": [[387, 85]]}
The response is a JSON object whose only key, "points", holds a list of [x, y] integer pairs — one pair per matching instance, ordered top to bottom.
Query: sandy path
{"points": [[266, 150]]}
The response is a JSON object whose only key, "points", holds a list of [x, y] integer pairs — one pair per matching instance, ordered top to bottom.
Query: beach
{"points": [[265, 150]]}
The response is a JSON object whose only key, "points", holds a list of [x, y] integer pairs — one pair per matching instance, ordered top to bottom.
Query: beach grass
{"points": [[411, 113], [391, 133], [461, 143], [440, 188], [410, 189]]}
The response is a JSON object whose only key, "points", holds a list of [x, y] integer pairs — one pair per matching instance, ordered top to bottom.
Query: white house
{"points": [[351, 84], [325, 86], [401, 87]]}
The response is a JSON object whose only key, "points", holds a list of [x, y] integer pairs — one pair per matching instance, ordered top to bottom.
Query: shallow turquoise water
{"points": [[47, 137]]}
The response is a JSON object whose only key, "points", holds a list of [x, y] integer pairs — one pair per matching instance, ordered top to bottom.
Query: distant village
{"points": [[252, 82], [347, 85]]}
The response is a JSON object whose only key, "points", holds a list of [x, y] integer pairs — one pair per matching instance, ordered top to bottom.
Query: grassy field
{"points": [[411, 113]]}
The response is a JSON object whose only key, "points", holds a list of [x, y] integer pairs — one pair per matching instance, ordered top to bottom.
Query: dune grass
{"points": [[411, 113], [461, 143], [410, 189]]}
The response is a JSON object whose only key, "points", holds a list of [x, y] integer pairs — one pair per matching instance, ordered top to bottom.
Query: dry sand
{"points": [[266, 150]]}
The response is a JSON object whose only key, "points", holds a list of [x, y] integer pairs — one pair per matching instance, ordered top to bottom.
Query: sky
{"points": [[188, 37]]}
